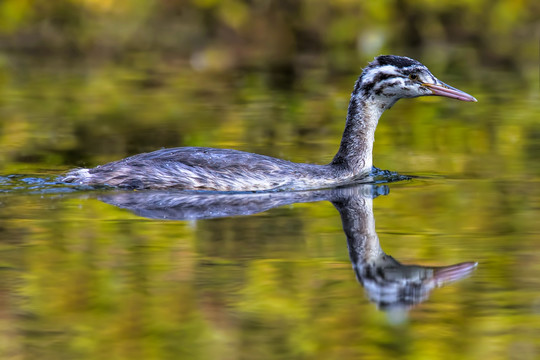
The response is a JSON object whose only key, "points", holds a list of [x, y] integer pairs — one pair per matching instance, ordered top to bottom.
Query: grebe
{"points": [[384, 81]]}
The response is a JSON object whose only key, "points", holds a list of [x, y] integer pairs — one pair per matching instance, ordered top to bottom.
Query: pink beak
{"points": [[445, 90]]}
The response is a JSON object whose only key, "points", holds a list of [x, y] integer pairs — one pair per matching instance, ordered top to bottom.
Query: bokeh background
{"points": [[87, 81], [83, 82]]}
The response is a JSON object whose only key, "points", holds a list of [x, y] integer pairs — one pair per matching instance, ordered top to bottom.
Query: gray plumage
{"points": [[384, 81], [200, 168]]}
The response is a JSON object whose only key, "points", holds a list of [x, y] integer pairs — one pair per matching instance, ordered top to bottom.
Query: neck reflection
{"points": [[388, 283]]}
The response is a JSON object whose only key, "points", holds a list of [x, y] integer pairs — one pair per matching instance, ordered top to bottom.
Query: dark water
{"points": [[105, 274]]}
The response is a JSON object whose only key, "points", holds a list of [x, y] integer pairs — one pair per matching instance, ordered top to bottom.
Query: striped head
{"points": [[389, 78]]}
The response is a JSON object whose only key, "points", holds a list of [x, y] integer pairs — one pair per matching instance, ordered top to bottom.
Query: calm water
{"points": [[103, 274]]}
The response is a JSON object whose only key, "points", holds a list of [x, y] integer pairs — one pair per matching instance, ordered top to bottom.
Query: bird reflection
{"points": [[387, 282]]}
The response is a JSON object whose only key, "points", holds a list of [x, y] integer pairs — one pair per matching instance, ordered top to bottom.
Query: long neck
{"points": [[355, 154], [359, 226]]}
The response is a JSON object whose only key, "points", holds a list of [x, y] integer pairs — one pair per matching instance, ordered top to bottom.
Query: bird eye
{"points": [[413, 77]]}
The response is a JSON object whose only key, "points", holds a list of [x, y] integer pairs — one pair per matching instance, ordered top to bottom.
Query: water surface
{"points": [[91, 273]]}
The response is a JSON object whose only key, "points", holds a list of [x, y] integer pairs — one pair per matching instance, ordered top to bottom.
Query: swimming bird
{"points": [[383, 81]]}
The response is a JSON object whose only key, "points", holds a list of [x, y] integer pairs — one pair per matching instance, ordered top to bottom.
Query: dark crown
{"points": [[397, 61]]}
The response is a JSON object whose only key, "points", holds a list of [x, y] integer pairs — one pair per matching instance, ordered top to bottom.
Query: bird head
{"points": [[389, 78]]}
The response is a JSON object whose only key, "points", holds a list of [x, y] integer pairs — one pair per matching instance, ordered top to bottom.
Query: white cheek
{"points": [[387, 69], [397, 88], [401, 88]]}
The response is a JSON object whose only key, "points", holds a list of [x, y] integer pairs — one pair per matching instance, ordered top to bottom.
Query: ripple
{"points": [[25, 183]]}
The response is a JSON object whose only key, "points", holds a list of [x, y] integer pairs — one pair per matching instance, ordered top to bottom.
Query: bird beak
{"points": [[441, 89]]}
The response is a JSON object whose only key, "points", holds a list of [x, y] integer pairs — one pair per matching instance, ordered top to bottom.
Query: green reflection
{"points": [[86, 82], [91, 280]]}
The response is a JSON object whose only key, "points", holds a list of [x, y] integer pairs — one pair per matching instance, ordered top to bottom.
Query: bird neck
{"points": [[355, 154], [356, 212]]}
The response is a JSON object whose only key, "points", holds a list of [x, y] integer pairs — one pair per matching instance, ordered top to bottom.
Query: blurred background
{"points": [[87, 81], [83, 82]]}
